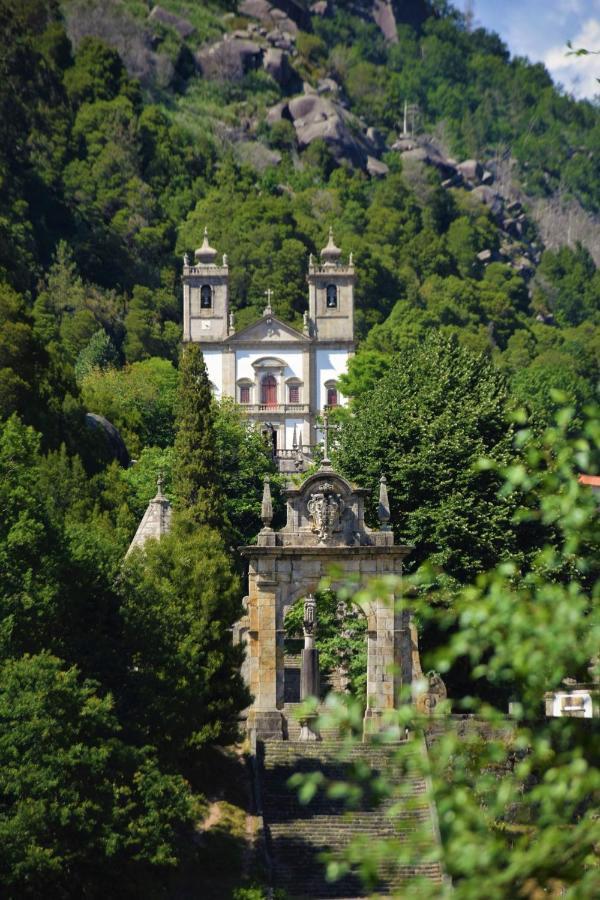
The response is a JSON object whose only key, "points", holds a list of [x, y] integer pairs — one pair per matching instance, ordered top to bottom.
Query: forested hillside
{"points": [[128, 128]]}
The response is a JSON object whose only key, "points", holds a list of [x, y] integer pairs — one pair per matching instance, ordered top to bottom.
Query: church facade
{"points": [[283, 378]]}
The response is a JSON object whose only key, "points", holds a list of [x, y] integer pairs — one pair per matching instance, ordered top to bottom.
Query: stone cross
{"points": [[268, 295], [326, 427]]}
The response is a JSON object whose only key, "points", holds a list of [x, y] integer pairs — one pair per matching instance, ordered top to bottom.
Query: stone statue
{"points": [[186, 259], [325, 509], [310, 622], [435, 693]]}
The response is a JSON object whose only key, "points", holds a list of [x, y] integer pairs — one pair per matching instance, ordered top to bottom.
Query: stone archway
{"points": [[325, 530]]}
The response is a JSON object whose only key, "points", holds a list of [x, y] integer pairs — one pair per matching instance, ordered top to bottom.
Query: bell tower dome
{"points": [[331, 295], [205, 296]]}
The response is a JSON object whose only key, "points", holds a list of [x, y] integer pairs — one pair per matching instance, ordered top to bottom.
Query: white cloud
{"points": [[578, 74]]}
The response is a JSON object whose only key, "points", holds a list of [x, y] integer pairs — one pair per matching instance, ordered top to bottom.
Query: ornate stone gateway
{"points": [[325, 531]]}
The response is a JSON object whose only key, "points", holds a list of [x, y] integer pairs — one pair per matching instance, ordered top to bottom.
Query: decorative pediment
{"points": [[269, 329]]}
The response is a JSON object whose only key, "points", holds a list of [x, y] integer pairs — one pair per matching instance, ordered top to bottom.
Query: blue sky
{"points": [[540, 29]]}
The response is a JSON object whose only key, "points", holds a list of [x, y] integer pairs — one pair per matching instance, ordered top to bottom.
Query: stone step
{"points": [[297, 835]]}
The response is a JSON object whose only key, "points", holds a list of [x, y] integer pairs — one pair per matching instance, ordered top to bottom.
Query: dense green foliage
{"points": [[114, 154], [434, 413], [195, 475], [180, 600], [341, 639], [517, 800], [78, 803]]}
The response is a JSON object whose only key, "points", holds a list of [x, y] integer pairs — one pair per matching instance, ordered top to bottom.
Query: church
{"points": [[283, 378]]}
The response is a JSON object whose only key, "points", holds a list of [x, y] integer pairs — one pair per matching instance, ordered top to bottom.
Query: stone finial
{"points": [[330, 254], [205, 255], [351, 259], [186, 260], [311, 260], [225, 261], [231, 323], [305, 323], [295, 439], [160, 482], [383, 507], [266, 508], [310, 622]]}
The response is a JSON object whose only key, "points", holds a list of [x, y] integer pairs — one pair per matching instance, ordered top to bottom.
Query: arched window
{"points": [[206, 296], [331, 296], [268, 390], [294, 393], [332, 396]]}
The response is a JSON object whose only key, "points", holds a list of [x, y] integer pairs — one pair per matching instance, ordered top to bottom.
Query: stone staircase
{"points": [[295, 835]]}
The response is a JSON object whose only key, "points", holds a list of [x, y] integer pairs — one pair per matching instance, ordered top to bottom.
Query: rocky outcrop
{"points": [[286, 15], [383, 16], [183, 28], [229, 59], [276, 64], [319, 118], [516, 249]]}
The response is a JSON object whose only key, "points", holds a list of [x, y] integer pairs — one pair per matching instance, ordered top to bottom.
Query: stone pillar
{"points": [[228, 374], [389, 662], [309, 681], [264, 716]]}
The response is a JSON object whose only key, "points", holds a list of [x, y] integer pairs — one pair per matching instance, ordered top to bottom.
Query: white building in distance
{"points": [[282, 377]]}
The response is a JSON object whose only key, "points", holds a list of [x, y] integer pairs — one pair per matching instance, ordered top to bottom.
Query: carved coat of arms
{"points": [[325, 508]]}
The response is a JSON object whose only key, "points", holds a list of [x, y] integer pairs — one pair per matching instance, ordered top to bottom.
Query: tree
{"points": [[99, 353], [138, 399], [424, 425], [243, 459], [195, 476], [180, 601], [516, 797], [80, 808]]}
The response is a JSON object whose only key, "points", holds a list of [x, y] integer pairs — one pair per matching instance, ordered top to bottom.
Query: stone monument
{"points": [[325, 531]]}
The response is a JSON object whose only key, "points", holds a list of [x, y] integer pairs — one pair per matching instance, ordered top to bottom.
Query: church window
{"points": [[206, 296], [332, 301], [268, 390], [245, 393], [294, 393], [332, 396]]}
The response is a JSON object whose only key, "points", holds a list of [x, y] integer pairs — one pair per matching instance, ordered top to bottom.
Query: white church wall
{"points": [[330, 365], [214, 367], [290, 424]]}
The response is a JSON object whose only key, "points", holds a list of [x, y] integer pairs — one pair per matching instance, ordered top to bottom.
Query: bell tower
{"points": [[331, 295], [205, 296]]}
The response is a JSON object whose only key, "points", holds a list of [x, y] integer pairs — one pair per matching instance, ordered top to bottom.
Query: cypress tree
{"points": [[195, 473]]}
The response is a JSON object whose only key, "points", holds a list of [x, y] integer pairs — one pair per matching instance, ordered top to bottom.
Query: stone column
{"points": [[229, 373], [387, 666], [264, 716]]}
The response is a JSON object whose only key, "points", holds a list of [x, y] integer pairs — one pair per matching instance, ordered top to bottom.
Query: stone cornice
{"points": [[343, 552]]}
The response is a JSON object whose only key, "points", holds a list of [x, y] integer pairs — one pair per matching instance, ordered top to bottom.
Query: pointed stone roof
{"points": [[205, 255], [330, 255], [156, 520]]}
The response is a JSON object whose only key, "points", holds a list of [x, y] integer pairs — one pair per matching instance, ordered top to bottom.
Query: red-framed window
{"points": [[245, 393], [332, 396]]}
